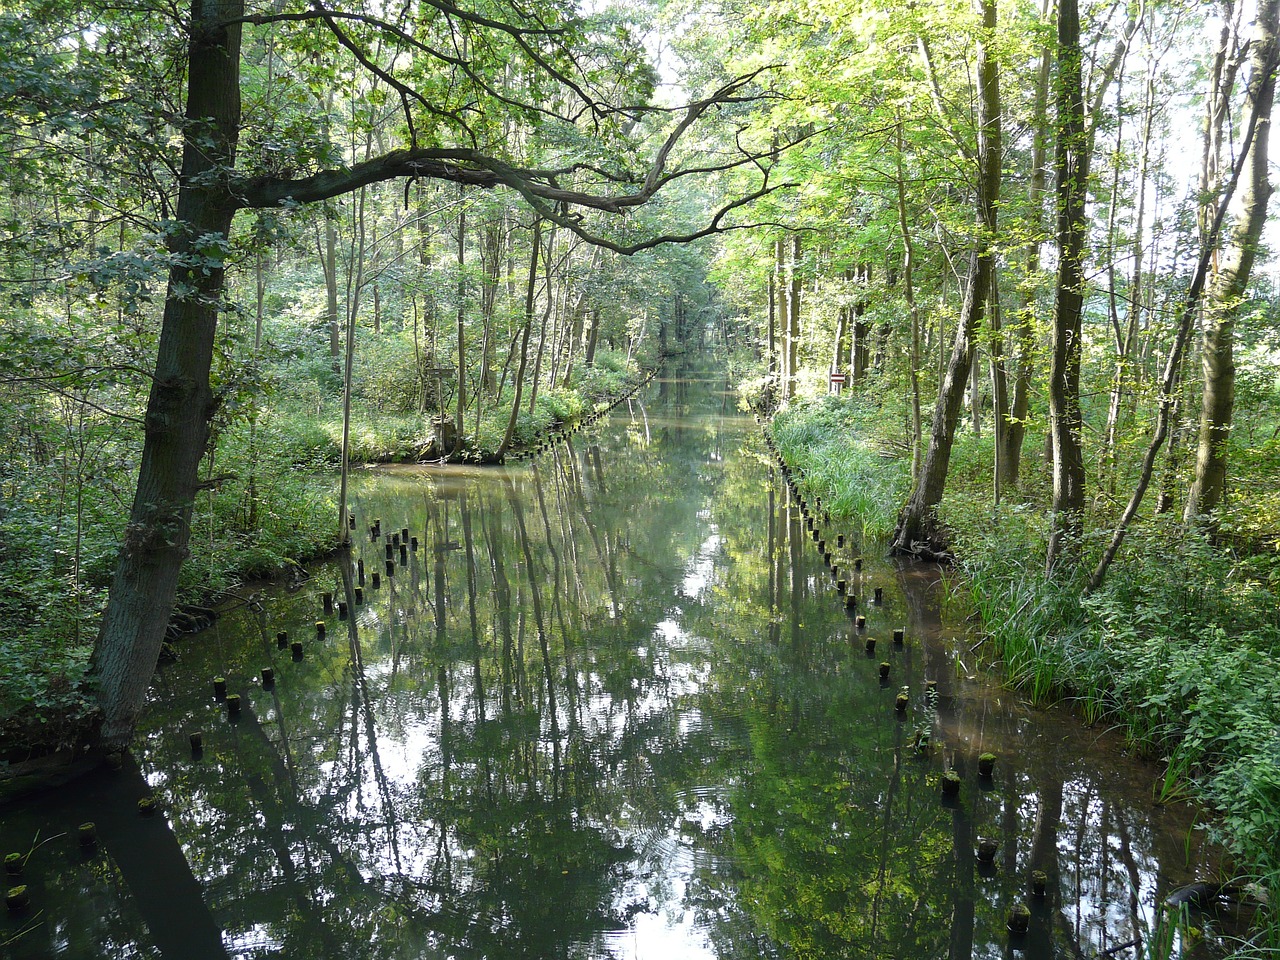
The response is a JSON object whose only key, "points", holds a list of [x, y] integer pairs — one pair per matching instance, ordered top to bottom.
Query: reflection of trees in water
{"points": [[533, 730]]}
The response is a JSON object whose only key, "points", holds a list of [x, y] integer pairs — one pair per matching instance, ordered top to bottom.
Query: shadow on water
{"points": [[606, 704]]}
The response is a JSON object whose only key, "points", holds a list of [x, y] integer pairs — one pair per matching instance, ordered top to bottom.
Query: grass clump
{"points": [[833, 440]]}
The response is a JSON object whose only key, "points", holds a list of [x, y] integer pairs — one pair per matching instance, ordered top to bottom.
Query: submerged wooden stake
{"points": [[1039, 883], [1019, 920]]}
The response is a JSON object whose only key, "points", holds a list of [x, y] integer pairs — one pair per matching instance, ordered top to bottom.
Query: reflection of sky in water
{"points": [[699, 572]]}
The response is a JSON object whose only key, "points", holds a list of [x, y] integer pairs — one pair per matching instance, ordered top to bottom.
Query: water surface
{"points": [[606, 704]]}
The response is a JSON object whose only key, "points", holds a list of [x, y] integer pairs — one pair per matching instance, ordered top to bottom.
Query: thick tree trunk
{"points": [[1072, 168], [1227, 289], [181, 403], [917, 531]]}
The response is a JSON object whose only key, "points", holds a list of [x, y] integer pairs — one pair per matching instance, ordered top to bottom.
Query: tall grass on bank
{"points": [[833, 440], [1180, 649]]}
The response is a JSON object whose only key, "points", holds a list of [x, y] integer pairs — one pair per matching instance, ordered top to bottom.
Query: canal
{"points": [[605, 703]]}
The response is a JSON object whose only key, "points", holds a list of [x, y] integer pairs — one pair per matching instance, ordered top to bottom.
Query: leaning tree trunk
{"points": [[1072, 169], [1226, 292], [181, 403], [917, 531]]}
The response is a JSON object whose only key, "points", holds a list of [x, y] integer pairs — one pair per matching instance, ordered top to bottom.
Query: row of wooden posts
{"points": [[818, 522]]}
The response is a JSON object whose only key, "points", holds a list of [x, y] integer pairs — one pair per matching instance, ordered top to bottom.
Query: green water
{"points": [[610, 706]]}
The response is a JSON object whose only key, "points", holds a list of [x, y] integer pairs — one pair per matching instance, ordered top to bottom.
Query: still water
{"points": [[604, 704]]}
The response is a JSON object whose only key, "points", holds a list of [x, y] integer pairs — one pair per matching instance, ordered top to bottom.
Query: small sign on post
{"points": [[837, 382]]}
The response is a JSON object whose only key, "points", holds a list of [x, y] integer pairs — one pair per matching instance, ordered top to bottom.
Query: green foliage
{"points": [[834, 441], [1183, 654]]}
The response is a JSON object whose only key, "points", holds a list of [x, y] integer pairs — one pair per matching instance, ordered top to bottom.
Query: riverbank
{"points": [[273, 509], [1180, 648]]}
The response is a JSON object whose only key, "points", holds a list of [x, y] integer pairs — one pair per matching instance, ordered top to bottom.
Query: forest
{"points": [[997, 276]]}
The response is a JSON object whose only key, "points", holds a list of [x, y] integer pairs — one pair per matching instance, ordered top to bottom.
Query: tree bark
{"points": [[1072, 168], [1226, 295], [529, 300], [181, 403], [917, 530]]}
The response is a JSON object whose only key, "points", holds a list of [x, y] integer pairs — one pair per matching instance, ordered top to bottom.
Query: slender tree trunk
{"points": [[1072, 169], [331, 288], [530, 293], [1226, 295], [913, 310], [793, 315], [546, 316], [784, 317], [773, 335], [1127, 340], [860, 351], [1173, 363], [348, 366], [999, 389], [181, 402], [460, 414], [917, 531]]}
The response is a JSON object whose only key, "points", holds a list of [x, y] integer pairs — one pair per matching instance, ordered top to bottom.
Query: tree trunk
{"points": [[1072, 169], [1225, 298], [529, 300], [913, 309], [1127, 340], [860, 352], [181, 403], [461, 410], [1010, 458], [917, 531]]}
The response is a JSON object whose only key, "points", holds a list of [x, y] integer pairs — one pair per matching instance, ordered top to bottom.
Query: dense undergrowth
{"points": [[271, 504], [1180, 648]]}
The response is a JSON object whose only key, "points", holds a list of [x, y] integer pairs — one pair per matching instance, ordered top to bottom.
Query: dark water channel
{"points": [[611, 706]]}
